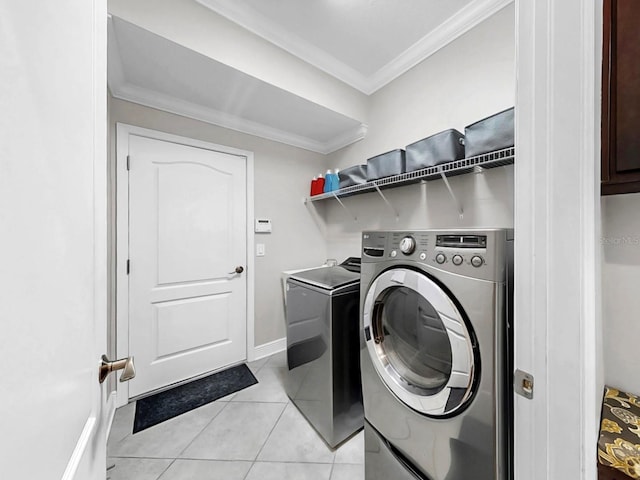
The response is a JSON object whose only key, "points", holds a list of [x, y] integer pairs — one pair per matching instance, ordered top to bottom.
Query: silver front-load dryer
{"points": [[435, 317]]}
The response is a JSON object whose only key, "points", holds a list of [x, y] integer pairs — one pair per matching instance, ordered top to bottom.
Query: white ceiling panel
{"points": [[364, 34], [365, 43], [146, 68]]}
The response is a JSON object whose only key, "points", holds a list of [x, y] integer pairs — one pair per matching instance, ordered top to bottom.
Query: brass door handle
{"points": [[238, 269], [124, 364]]}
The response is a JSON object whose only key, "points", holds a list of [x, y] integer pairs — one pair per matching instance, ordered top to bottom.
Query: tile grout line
{"points": [[266, 362], [267, 365], [260, 368], [227, 403], [282, 404], [272, 428], [203, 429], [270, 433], [184, 458], [293, 462], [333, 465], [248, 471], [159, 477]]}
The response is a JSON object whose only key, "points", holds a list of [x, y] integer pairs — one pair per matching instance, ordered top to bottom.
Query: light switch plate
{"points": [[260, 249]]}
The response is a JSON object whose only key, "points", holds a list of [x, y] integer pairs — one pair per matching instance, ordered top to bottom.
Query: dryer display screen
{"points": [[462, 241]]}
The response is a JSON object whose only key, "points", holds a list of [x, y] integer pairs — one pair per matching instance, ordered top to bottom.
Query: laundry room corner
{"points": [[470, 78], [321, 240]]}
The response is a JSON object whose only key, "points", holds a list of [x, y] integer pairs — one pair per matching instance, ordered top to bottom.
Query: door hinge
{"points": [[128, 162], [128, 266], [523, 384]]}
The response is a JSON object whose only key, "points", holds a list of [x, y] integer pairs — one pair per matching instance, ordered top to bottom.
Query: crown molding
{"points": [[464, 20], [460, 23], [261, 26], [456, 26], [124, 90], [167, 103], [346, 139]]}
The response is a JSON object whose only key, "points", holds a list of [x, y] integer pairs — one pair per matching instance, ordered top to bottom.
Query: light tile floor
{"points": [[255, 434]]}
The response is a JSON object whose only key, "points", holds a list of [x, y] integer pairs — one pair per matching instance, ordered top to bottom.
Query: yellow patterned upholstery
{"points": [[619, 442]]}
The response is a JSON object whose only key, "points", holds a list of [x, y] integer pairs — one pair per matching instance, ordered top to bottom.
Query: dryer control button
{"points": [[408, 245], [393, 253], [423, 256], [441, 258], [457, 260], [477, 261]]}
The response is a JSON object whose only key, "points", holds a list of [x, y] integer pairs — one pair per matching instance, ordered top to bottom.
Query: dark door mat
{"points": [[165, 405]]}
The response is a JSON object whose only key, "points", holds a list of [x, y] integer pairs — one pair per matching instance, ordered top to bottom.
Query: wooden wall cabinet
{"points": [[621, 97]]}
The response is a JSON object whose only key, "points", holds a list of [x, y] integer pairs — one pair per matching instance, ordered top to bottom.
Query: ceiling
{"points": [[363, 43], [148, 69]]}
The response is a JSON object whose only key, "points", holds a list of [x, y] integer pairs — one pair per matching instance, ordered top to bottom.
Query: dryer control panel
{"points": [[475, 242], [478, 253]]}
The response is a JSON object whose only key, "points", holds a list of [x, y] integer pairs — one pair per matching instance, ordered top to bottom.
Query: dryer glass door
{"points": [[413, 337], [419, 342]]}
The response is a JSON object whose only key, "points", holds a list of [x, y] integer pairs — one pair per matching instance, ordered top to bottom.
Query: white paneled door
{"points": [[187, 252]]}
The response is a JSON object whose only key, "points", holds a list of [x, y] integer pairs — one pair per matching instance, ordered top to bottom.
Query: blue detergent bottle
{"points": [[328, 181]]}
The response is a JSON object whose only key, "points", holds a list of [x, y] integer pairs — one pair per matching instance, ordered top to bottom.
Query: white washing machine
{"points": [[436, 357]]}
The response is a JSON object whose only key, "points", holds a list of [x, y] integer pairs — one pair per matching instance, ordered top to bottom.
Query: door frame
{"points": [[123, 131], [557, 232], [82, 461]]}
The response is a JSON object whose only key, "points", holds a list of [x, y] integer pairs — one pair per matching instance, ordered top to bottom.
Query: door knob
{"points": [[238, 269], [124, 364]]}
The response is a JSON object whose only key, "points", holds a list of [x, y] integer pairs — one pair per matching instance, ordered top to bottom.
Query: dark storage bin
{"points": [[490, 134], [443, 147], [390, 163], [353, 176]]}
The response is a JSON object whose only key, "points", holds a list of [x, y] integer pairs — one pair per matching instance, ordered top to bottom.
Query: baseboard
{"points": [[267, 349], [80, 462]]}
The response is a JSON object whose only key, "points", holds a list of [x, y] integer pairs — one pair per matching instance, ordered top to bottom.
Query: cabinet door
{"points": [[621, 97]]}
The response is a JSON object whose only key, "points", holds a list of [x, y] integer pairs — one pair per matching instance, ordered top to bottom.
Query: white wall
{"points": [[471, 78], [281, 174], [621, 290]]}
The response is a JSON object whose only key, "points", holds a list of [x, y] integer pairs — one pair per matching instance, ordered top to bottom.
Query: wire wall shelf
{"points": [[475, 164], [458, 167]]}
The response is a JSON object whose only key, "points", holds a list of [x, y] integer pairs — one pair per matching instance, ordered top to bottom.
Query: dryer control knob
{"points": [[407, 245], [441, 258], [457, 260], [477, 261]]}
